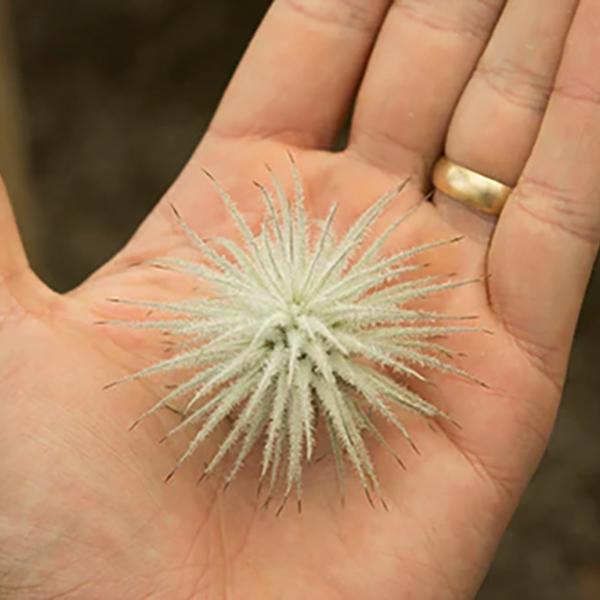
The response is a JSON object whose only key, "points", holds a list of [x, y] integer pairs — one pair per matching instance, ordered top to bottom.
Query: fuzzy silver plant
{"points": [[301, 326]]}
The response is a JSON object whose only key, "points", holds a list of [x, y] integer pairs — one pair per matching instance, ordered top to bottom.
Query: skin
{"points": [[84, 511]]}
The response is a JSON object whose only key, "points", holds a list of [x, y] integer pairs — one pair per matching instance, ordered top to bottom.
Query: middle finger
{"points": [[424, 55]]}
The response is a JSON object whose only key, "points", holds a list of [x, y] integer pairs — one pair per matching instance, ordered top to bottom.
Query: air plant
{"points": [[301, 326]]}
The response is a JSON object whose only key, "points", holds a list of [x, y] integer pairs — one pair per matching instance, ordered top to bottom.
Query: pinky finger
{"points": [[547, 237]]}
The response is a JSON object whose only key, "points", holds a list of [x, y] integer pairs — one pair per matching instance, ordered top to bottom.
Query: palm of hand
{"points": [[93, 494], [84, 511]]}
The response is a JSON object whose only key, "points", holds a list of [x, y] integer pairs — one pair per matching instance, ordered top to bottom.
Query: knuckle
{"points": [[350, 14], [472, 19], [516, 84], [575, 90], [373, 146], [558, 208]]}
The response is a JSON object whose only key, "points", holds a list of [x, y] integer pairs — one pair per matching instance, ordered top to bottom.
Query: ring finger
{"points": [[497, 119]]}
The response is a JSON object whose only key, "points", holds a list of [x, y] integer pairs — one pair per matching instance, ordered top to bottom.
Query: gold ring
{"points": [[469, 187]]}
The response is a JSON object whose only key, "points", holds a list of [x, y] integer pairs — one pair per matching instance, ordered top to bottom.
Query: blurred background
{"points": [[102, 102]]}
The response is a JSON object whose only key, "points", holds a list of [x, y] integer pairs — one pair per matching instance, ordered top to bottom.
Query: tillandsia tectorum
{"points": [[301, 325]]}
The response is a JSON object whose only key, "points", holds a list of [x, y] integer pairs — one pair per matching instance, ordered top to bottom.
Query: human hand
{"points": [[84, 511]]}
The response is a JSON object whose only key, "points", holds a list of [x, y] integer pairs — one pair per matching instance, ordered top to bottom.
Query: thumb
{"points": [[17, 281]]}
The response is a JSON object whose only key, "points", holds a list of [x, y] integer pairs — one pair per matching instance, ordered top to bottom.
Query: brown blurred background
{"points": [[101, 103]]}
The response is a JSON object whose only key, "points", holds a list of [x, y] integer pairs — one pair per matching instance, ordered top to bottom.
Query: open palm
{"points": [[84, 511]]}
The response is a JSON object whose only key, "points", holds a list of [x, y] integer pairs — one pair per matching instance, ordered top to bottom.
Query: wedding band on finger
{"points": [[469, 187]]}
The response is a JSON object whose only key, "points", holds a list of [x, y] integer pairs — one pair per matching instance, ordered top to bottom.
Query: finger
{"points": [[423, 57], [298, 76], [498, 116], [547, 237], [13, 262]]}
